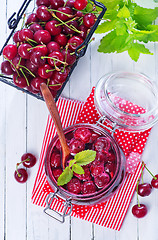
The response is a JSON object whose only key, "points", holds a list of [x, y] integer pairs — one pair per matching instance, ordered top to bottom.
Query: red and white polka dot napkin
{"points": [[112, 212]]}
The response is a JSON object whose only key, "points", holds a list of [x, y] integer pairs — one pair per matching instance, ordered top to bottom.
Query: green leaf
{"points": [[110, 4], [89, 7], [123, 12], [110, 14], [144, 16], [106, 27], [121, 28], [112, 42], [135, 50], [85, 157], [72, 162], [77, 169], [65, 177]]}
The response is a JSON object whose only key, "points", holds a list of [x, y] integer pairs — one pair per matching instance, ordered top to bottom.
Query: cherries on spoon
{"points": [[51, 105]]}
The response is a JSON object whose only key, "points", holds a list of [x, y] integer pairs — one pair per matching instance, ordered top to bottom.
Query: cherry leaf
{"points": [[65, 177]]}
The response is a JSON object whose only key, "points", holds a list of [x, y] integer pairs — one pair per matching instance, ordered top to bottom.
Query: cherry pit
{"points": [[44, 49], [28, 160]]}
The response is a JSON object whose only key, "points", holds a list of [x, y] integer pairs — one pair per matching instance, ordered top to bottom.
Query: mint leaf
{"points": [[110, 4], [123, 12], [110, 14], [144, 16], [106, 26], [121, 28], [112, 42], [135, 50], [85, 157], [72, 162], [77, 169], [65, 177]]}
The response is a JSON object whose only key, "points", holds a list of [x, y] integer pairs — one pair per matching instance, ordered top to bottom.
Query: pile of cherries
{"points": [[44, 51], [28, 160], [98, 173], [144, 189]]}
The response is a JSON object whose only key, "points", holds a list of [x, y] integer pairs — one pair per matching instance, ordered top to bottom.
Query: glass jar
{"points": [[114, 94], [101, 194]]}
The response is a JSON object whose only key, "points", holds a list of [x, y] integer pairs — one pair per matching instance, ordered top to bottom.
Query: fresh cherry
{"points": [[43, 2], [55, 4], [80, 4], [43, 13], [64, 13], [32, 18], [89, 20], [35, 27], [53, 28], [25, 34], [42, 36], [61, 39], [74, 42], [53, 46], [24, 50], [10, 51], [55, 58], [6, 68], [45, 71], [28, 160], [21, 175], [154, 181], [144, 189], [139, 211]]}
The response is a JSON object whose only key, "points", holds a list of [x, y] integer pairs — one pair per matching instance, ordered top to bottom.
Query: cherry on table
{"points": [[28, 160], [21, 175], [154, 182], [144, 189], [140, 210]]}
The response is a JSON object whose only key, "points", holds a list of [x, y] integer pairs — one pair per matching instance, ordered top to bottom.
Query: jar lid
{"points": [[127, 99]]}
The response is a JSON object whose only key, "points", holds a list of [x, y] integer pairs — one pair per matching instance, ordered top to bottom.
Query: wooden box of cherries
{"points": [[50, 44]]}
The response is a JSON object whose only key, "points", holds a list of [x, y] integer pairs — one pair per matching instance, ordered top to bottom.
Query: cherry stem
{"points": [[54, 10], [23, 21], [66, 22], [72, 28], [38, 46], [55, 59], [12, 65], [27, 70], [49, 70], [25, 77], [58, 84], [26, 160], [149, 170], [142, 173], [137, 193]]}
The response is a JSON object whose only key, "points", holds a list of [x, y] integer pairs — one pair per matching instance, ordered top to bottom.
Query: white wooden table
{"points": [[22, 125]]}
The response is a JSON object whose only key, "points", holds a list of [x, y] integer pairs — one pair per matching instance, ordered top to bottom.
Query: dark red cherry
{"points": [[43, 2], [70, 3], [55, 4], [80, 4], [43, 13], [64, 13], [32, 18], [89, 19], [35, 27], [53, 28], [68, 29], [84, 31], [25, 34], [42, 36], [16, 37], [61, 39], [74, 42], [53, 46], [42, 48], [24, 50], [10, 51], [54, 57], [69, 57], [36, 59], [18, 62], [31, 66], [6, 68], [45, 71], [60, 76], [19, 81], [36, 83], [54, 85], [84, 134], [102, 144], [76, 145], [28, 159], [55, 160], [97, 170], [57, 172], [21, 176], [86, 176], [102, 180], [154, 182], [74, 186], [88, 187], [144, 189], [139, 211]]}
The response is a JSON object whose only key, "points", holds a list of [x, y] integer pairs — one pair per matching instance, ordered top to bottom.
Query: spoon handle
{"points": [[51, 105]]}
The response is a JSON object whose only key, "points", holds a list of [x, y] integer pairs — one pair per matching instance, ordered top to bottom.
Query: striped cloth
{"points": [[110, 213]]}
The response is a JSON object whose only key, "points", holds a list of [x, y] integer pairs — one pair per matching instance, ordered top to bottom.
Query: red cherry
{"points": [[43, 2], [55, 4], [80, 4], [43, 13], [65, 13], [32, 18], [89, 19], [35, 27], [53, 28], [25, 34], [42, 36], [61, 39], [74, 42], [53, 46], [24, 50], [10, 51], [54, 57], [6, 68], [42, 71], [19, 81], [36, 83], [54, 85], [84, 134], [102, 144], [76, 145], [28, 159], [55, 160], [97, 170], [57, 172], [21, 176], [86, 176], [102, 180], [154, 182], [74, 186], [144, 189], [139, 211]]}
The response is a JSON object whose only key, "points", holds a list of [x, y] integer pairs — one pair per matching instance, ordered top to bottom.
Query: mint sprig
{"points": [[127, 26], [75, 165]]}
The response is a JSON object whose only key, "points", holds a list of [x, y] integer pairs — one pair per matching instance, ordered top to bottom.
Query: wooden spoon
{"points": [[51, 105]]}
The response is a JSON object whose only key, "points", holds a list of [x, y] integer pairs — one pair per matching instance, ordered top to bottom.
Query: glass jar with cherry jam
{"points": [[101, 177]]}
